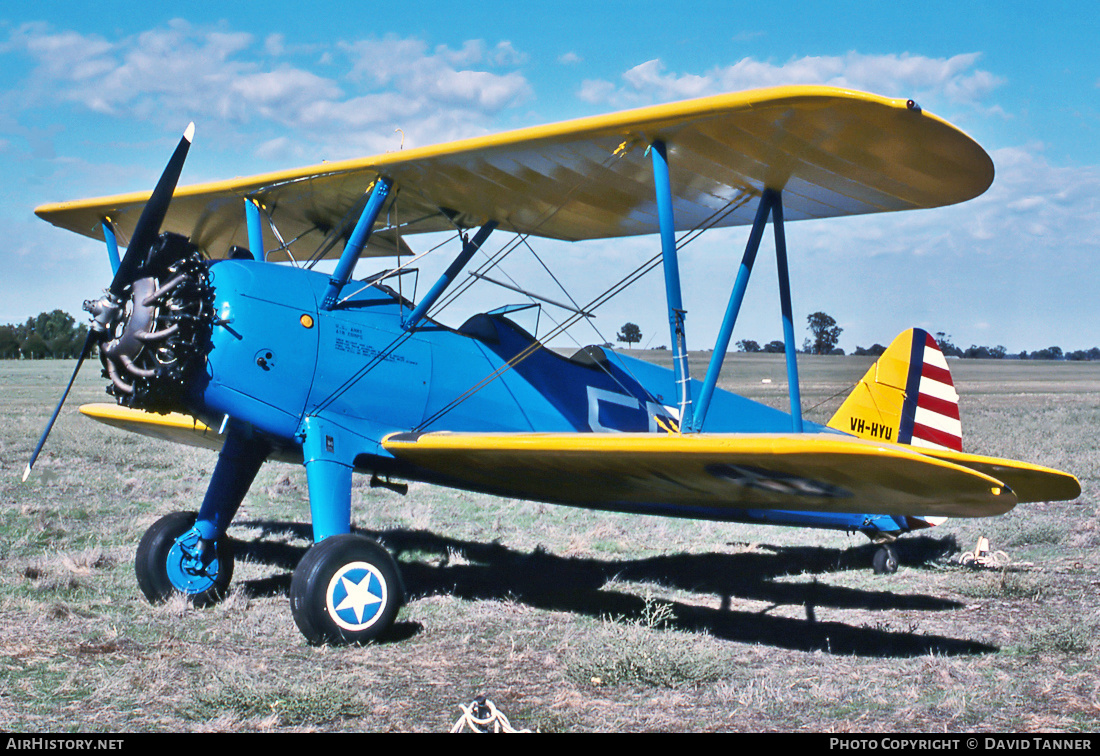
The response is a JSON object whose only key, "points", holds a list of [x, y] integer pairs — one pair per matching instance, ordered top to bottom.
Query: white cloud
{"points": [[275, 45], [505, 54], [175, 67], [183, 72], [446, 75], [953, 79], [596, 91], [283, 95], [1043, 210], [1028, 213], [1008, 267]]}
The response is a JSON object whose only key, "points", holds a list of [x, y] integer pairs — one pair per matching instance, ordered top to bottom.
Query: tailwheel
{"points": [[172, 558], [885, 561], [346, 590]]}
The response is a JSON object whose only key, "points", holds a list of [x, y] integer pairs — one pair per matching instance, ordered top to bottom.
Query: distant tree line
{"points": [[826, 332], [50, 335], [748, 345], [777, 347], [1000, 353]]}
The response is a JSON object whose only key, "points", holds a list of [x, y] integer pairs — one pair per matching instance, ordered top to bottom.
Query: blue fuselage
{"points": [[277, 359]]}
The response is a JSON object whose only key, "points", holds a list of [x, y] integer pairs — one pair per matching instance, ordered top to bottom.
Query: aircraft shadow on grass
{"points": [[540, 579]]}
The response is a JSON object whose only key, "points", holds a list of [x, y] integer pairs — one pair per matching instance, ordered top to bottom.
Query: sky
{"points": [[94, 97]]}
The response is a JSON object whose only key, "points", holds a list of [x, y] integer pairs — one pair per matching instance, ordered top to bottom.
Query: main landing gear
{"points": [[346, 590]]}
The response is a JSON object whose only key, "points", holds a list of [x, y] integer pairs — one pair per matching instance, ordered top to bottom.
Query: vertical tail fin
{"points": [[906, 397]]}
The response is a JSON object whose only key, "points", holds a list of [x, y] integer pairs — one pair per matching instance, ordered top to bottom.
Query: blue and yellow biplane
{"points": [[218, 331]]}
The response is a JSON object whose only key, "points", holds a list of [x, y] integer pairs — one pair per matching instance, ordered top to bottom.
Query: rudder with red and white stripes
{"points": [[930, 412]]}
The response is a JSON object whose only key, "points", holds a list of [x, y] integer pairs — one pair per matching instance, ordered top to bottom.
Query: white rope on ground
{"points": [[981, 556], [482, 715]]}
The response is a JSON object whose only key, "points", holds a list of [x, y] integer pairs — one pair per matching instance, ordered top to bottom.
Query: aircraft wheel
{"points": [[171, 560], [885, 561], [346, 590]]}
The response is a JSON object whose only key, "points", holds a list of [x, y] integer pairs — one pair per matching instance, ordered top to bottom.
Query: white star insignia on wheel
{"points": [[357, 588], [359, 596]]}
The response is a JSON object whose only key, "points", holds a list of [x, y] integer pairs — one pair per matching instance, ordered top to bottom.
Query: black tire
{"points": [[885, 561], [154, 571], [320, 587]]}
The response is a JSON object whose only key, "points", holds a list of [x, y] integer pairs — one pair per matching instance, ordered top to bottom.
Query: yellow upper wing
{"points": [[833, 152]]}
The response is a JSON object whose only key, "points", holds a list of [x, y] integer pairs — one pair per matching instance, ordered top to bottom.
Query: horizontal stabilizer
{"points": [[908, 397], [1030, 483]]}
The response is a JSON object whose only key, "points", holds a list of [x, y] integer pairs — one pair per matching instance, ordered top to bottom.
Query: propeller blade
{"points": [[152, 215], [145, 233], [88, 341]]}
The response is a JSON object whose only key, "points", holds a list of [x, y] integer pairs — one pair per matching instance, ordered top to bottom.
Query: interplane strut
{"points": [[693, 414]]}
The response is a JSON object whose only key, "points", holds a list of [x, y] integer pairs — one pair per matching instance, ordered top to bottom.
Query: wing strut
{"points": [[771, 203], [255, 229], [112, 244], [355, 244], [469, 247], [785, 306], [676, 311]]}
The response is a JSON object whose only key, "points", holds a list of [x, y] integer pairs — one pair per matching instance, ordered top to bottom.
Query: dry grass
{"points": [[569, 620]]}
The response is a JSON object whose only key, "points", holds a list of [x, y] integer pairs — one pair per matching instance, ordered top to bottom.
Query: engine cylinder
{"points": [[158, 333]]}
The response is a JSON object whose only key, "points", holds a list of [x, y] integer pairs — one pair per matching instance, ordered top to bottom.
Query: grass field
{"points": [[568, 620]]}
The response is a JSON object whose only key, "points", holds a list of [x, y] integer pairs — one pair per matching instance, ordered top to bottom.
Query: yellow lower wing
{"points": [[174, 427], [180, 429], [810, 472]]}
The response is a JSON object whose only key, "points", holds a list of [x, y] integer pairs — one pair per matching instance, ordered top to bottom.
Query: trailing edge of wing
{"points": [[832, 152], [705, 474]]}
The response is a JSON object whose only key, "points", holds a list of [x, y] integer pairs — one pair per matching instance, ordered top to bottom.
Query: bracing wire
{"points": [[493, 261], [598, 301]]}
